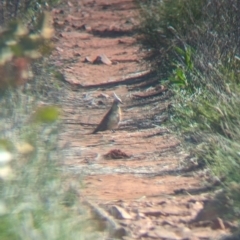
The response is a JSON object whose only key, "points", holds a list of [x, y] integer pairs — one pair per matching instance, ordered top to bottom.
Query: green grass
{"points": [[25, 10], [194, 46]]}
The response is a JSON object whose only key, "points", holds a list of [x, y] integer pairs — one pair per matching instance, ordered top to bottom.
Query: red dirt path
{"points": [[161, 200]]}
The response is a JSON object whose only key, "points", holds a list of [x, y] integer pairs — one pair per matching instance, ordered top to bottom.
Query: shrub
{"points": [[195, 47]]}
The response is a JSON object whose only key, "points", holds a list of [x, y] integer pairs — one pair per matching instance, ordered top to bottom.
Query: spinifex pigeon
{"points": [[112, 118]]}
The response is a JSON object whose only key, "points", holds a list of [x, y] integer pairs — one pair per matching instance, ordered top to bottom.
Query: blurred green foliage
{"points": [[26, 10], [18, 48], [47, 114], [38, 200]]}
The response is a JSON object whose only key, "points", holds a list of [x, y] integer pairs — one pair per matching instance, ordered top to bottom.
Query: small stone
{"points": [[70, 4], [57, 11], [85, 14], [70, 18], [59, 23], [87, 28], [120, 41], [59, 49], [76, 54], [102, 59], [88, 60], [103, 95], [100, 102], [116, 154], [162, 202], [197, 206], [174, 210], [153, 212], [119, 213], [167, 222], [218, 224], [233, 226], [120, 232], [162, 233], [184, 233]]}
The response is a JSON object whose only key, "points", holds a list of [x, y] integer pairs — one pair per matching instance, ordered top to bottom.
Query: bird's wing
{"points": [[103, 125]]}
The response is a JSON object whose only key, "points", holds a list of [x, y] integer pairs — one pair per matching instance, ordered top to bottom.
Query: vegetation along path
{"points": [[135, 177]]}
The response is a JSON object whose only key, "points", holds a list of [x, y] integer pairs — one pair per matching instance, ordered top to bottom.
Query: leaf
{"points": [[44, 26], [17, 28], [180, 51], [5, 55], [47, 114], [6, 145], [24, 148], [5, 157], [6, 173]]}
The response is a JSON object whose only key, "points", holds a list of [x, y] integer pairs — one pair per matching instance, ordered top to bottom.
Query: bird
{"points": [[112, 118]]}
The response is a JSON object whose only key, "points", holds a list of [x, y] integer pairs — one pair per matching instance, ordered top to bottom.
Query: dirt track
{"points": [[146, 191]]}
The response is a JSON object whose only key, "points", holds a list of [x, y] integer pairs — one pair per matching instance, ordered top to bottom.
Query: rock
{"points": [[70, 4], [57, 11], [85, 14], [70, 18], [59, 23], [77, 26], [88, 28], [75, 35], [59, 49], [76, 54], [102, 59], [88, 60], [103, 95], [100, 102], [116, 154], [162, 202], [149, 204], [197, 206], [175, 210], [153, 212], [119, 213], [140, 216], [170, 223], [204, 224], [218, 224], [233, 226], [142, 227], [120, 233], [162, 233], [185, 233], [204, 233]]}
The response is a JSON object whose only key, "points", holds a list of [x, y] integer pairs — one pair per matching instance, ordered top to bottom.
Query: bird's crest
{"points": [[116, 98]]}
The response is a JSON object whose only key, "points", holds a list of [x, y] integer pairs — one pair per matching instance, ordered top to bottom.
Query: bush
{"points": [[23, 9], [194, 45], [39, 200]]}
